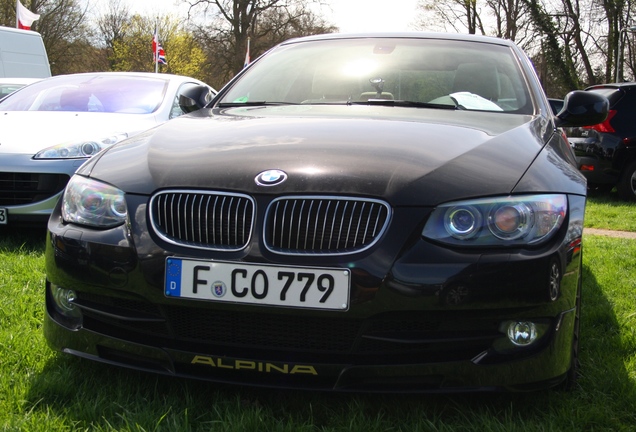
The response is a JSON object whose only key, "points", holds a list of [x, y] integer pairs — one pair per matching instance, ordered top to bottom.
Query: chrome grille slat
{"points": [[216, 200], [311, 204], [231, 211], [199, 213], [179, 215], [185, 216], [203, 220], [207, 220], [221, 220], [236, 222], [350, 222], [300, 223], [192, 224], [291, 224], [324, 224], [341, 224], [316, 225], [358, 227], [332, 228], [375, 228], [172, 230], [313, 243]]}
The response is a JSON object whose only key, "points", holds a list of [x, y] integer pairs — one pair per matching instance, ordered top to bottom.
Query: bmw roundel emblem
{"points": [[271, 178]]}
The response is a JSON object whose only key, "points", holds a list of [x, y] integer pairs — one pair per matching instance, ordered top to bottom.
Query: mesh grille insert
{"points": [[26, 188]]}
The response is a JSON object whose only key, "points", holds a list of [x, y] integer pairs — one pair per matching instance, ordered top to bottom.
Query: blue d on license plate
{"points": [[238, 282]]}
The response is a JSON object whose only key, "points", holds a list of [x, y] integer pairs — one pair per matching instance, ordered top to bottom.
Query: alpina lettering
{"points": [[265, 367]]}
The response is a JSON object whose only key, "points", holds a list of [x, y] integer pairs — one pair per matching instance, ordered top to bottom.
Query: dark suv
{"points": [[606, 152]]}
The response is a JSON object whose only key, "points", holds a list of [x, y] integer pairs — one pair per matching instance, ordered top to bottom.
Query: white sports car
{"points": [[50, 128]]}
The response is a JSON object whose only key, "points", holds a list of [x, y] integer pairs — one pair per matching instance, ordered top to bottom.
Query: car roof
{"points": [[406, 35], [129, 74], [171, 79], [19, 80], [612, 85]]}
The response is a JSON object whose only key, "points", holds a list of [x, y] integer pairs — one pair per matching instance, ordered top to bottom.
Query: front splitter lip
{"points": [[447, 377]]}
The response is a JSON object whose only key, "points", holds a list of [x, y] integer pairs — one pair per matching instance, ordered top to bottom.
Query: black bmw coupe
{"points": [[377, 212]]}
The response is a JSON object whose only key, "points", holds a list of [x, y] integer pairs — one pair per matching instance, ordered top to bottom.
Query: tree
{"points": [[7, 12], [459, 15], [511, 21], [264, 22], [112, 26], [588, 33], [66, 34], [562, 36], [574, 40], [133, 50], [186, 56], [556, 63]]}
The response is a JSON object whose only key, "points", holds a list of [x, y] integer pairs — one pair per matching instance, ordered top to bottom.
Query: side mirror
{"points": [[194, 98], [582, 108]]}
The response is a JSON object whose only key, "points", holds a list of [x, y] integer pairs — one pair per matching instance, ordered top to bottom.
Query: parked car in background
{"points": [[9, 85], [556, 105], [50, 128], [606, 152], [352, 212]]}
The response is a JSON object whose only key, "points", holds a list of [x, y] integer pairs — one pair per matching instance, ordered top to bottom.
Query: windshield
{"points": [[460, 74], [7, 89], [90, 93]]}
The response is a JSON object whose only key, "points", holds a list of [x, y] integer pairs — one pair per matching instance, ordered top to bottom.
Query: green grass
{"points": [[609, 212], [41, 390]]}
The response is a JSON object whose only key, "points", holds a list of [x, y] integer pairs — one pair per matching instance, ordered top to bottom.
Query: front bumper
{"points": [[422, 319], [523, 374]]}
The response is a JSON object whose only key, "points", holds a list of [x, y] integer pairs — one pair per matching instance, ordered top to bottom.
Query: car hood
{"points": [[28, 132], [407, 156]]}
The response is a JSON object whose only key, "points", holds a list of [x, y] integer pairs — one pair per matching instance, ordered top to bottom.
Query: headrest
{"points": [[478, 78]]}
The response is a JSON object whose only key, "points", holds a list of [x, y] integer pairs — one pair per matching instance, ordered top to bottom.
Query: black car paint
{"points": [[453, 149], [455, 282], [423, 316]]}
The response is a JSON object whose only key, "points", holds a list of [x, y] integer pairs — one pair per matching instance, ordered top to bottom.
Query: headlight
{"points": [[82, 149], [93, 203], [513, 220]]}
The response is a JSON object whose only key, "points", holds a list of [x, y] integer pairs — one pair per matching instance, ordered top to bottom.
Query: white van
{"points": [[22, 54]]}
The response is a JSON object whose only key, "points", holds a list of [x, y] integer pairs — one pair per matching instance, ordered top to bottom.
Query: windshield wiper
{"points": [[374, 102], [252, 103], [405, 103]]}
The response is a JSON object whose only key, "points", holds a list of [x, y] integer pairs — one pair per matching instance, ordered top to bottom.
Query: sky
{"points": [[349, 15], [372, 15]]}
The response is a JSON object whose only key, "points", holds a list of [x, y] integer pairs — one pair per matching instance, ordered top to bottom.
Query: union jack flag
{"points": [[158, 54]]}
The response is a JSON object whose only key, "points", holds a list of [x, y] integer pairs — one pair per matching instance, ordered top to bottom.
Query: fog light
{"points": [[63, 299], [522, 333]]}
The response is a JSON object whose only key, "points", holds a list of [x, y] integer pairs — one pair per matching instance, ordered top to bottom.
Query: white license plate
{"points": [[4, 216], [312, 288]]}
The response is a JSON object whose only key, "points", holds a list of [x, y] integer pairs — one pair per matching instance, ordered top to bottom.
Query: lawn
{"points": [[609, 212], [41, 390]]}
